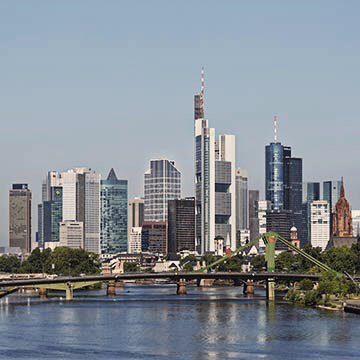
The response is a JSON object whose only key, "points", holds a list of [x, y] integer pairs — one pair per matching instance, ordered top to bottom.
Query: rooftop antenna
{"points": [[202, 81], [275, 129]]}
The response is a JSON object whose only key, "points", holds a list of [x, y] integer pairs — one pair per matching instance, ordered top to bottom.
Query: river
{"points": [[151, 322]]}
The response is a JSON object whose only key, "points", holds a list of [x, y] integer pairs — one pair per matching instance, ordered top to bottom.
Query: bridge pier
{"points": [[181, 287], [110, 288], [249, 288], [270, 289], [69, 291], [42, 293]]}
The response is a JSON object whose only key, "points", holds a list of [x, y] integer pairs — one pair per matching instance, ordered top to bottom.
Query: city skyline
{"points": [[246, 76]]}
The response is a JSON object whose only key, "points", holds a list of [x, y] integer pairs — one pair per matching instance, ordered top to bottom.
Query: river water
{"points": [[151, 322]]}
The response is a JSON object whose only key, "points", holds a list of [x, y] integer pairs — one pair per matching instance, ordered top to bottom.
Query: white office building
{"points": [[162, 182], [215, 188], [263, 207], [355, 214], [319, 224], [72, 234], [134, 240]]}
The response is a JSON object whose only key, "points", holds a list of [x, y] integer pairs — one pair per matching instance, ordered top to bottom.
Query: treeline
{"points": [[341, 259], [61, 261]]}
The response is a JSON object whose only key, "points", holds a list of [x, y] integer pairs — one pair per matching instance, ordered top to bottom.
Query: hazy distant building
{"points": [[162, 182], [215, 188], [311, 191], [331, 192], [242, 200], [135, 213], [253, 214], [114, 215], [20, 217], [356, 222], [319, 223], [181, 225], [72, 234], [154, 237], [134, 241]]}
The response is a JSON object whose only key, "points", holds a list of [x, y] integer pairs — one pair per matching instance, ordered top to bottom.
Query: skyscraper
{"points": [[162, 182], [215, 188], [311, 191], [331, 192], [242, 200], [114, 206], [135, 213], [253, 214], [20, 217], [319, 224], [181, 225]]}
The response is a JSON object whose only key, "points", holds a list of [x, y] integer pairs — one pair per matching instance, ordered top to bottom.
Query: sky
{"points": [[110, 84]]}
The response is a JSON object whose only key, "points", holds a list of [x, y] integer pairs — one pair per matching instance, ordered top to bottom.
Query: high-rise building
{"points": [[162, 182], [293, 184], [215, 188], [311, 191], [331, 192], [242, 200], [263, 206], [114, 207], [135, 213], [253, 214], [20, 217], [52, 217], [280, 221], [356, 222], [319, 224], [181, 225], [72, 234], [154, 237], [134, 241]]}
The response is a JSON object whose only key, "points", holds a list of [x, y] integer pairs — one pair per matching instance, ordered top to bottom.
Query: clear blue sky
{"points": [[110, 84]]}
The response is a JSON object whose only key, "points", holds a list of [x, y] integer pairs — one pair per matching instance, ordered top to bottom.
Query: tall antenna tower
{"points": [[202, 82], [275, 129]]}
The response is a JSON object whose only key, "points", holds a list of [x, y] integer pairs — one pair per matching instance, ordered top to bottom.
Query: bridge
{"points": [[69, 284]]}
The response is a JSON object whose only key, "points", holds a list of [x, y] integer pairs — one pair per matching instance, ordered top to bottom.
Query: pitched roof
{"points": [[112, 175]]}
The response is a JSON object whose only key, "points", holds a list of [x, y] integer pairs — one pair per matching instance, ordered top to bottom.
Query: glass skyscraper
{"points": [[331, 192], [114, 207], [52, 215]]}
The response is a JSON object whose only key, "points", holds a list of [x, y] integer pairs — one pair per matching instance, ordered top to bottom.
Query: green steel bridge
{"points": [[69, 284]]}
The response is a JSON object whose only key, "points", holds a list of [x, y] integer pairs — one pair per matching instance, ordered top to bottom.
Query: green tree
{"points": [[341, 259], [285, 261], [37, 262], [258, 263], [9, 264], [231, 264], [305, 264], [131, 267], [306, 284]]}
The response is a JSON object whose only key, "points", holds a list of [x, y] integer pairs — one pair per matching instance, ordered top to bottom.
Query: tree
{"points": [[341, 259], [285, 261], [37, 262], [258, 263], [9, 264], [231, 264], [305, 264], [131, 267], [306, 284]]}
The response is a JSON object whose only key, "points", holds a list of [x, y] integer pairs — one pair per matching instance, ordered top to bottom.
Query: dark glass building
{"points": [[114, 207], [253, 214], [52, 215], [281, 222], [181, 225], [154, 237]]}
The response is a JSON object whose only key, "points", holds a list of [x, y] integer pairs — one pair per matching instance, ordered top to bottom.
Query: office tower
{"points": [[162, 183], [293, 184], [215, 187], [311, 191], [331, 192], [242, 200], [114, 206], [263, 206], [135, 213], [253, 214], [20, 217], [52, 217], [342, 220], [280, 221], [356, 222], [181, 225], [319, 228], [39, 233], [72, 234], [154, 237], [134, 242]]}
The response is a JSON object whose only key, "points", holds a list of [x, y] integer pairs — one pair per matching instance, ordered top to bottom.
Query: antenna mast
{"points": [[275, 129]]}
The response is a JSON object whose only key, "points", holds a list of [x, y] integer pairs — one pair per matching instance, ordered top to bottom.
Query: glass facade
{"points": [[274, 174], [114, 207], [52, 215]]}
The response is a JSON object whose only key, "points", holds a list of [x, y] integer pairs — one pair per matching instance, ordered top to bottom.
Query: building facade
{"points": [[162, 182], [215, 189], [331, 192], [20, 198], [242, 200], [135, 213], [114, 214], [253, 214], [356, 222], [319, 223], [181, 225], [72, 234], [154, 237], [134, 242]]}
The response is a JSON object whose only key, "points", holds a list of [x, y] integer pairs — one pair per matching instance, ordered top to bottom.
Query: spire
{"points": [[202, 82], [199, 99], [275, 129], [112, 175], [342, 190]]}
